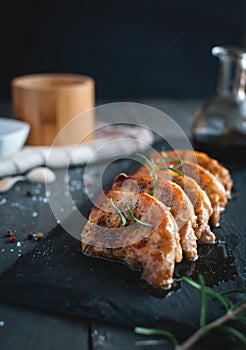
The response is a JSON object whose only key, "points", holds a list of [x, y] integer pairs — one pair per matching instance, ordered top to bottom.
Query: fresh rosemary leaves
{"points": [[153, 166], [119, 212], [123, 218], [143, 223], [234, 312]]}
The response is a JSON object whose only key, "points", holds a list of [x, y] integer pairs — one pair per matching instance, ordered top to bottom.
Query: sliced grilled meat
{"points": [[218, 170], [207, 181], [172, 196], [198, 197], [151, 249]]}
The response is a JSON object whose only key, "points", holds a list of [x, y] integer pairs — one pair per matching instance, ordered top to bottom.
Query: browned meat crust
{"points": [[218, 170], [207, 181], [172, 196], [198, 197], [151, 249]]}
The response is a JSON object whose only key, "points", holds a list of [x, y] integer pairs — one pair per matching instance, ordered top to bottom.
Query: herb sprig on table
{"points": [[234, 311]]}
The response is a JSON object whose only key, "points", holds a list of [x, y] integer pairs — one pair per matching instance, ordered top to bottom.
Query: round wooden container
{"points": [[50, 102]]}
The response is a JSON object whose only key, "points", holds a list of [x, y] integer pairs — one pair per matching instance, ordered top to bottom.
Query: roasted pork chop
{"points": [[217, 169], [207, 181], [172, 196], [198, 197], [148, 219], [152, 248]]}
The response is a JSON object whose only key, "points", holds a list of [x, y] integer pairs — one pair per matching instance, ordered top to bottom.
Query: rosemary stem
{"points": [[215, 324]]}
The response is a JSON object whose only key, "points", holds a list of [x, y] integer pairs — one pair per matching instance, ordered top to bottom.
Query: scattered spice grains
{"points": [[30, 193], [9, 233], [39, 235], [36, 237], [12, 239]]}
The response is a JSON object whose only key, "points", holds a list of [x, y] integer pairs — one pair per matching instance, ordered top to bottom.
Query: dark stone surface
{"points": [[54, 275], [28, 328]]}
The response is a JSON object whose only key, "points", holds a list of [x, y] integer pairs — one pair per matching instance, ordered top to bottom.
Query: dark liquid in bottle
{"points": [[230, 155]]}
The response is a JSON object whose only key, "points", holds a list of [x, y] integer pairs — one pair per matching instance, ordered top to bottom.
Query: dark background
{"points": [[131, 48]]}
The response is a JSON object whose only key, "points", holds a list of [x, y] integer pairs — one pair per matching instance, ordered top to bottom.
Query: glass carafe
{"points": [[219, 126]]}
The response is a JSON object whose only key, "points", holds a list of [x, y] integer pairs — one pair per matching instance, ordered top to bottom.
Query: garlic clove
{"points": [[41, 174], [8, 182]]}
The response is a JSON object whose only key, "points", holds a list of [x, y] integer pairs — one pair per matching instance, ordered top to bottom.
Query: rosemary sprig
{"points": [[169, 159], [172, 159], [147, 160], [153, 166], [175, 169], [155, 176], [119, 212], [123, 218], [143, 223], [233, 291], [226, 302], [234, 312], [218, 323], [156, 331], [235, 332]]}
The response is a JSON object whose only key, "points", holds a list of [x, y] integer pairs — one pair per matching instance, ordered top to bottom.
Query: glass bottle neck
{"points": [[232, 79]]}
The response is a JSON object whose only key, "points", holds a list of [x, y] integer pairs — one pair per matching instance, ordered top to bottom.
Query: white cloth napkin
{"points": [[111, 141]]}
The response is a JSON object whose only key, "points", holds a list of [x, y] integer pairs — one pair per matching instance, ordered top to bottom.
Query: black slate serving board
{"points": [[56, 276]]}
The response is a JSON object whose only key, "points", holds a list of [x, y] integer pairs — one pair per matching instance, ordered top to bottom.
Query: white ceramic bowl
{"points": [[13, 134]]}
